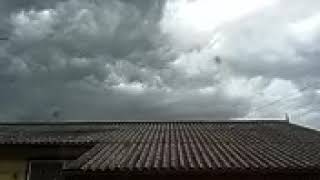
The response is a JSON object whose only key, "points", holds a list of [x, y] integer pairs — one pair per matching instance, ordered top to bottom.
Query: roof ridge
{"points": [[78, 122]]}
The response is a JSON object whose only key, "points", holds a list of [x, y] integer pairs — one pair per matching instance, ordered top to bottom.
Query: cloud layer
{"points": [[177, 59]]}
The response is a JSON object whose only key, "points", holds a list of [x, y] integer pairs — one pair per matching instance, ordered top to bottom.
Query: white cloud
{"points": [[191, 23], [33, 25], [306, 30]]}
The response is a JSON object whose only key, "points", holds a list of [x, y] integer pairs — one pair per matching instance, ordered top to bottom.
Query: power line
{"points": [[288, 98], [281, 99], [307, 112]]}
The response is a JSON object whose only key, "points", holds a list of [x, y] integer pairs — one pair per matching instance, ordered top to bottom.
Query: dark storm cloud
{"points": [[9, 7], [122, 59]]}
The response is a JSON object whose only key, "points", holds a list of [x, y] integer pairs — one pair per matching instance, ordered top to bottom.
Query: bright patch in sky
{"points": [[206, 15], [306, 29]]}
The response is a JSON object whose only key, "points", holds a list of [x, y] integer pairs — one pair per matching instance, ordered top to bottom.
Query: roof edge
{"points": [[78, 122]]}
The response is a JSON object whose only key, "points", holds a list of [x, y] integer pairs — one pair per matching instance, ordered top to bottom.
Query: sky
{"points": [[174, 59]]}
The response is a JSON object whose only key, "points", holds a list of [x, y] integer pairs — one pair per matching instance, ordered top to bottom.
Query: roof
{"points": [[65, 132], [52, 133], [202, 146]]}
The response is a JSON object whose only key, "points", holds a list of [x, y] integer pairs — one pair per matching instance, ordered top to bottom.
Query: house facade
{"points": [[160, 150]]}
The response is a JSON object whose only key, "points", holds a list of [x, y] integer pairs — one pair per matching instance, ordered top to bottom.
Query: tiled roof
{"points": [[46, 133], [203, 146]]}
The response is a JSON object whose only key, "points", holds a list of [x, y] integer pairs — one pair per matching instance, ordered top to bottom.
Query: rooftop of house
{"points": [[84, 132], [177, 146], [202, 146]]}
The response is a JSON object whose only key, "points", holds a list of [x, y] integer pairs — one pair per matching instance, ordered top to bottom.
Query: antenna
{"points": [[218, 60], [287, 117]]}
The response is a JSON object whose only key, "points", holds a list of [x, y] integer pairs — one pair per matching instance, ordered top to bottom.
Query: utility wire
{"points": [[288, 98], [281, 99], [307, 112]]}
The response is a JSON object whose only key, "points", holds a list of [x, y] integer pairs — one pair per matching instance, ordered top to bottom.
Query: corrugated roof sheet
{"points": [[203, 146]]}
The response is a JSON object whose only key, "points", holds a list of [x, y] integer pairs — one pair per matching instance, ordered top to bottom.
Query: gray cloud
{"points": [[121, 59]]}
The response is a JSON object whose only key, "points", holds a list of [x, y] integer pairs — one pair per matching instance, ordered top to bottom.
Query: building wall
{"points": [[15, 160], [13, 169], [45, 170]]}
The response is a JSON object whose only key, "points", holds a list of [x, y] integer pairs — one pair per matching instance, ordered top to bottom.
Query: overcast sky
{"points": [[175, 59]]}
